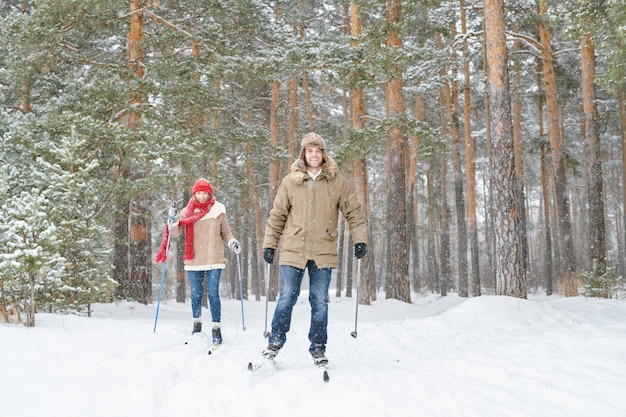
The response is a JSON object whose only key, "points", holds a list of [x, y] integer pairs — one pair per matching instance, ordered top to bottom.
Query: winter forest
{"points": [[485, 141]]}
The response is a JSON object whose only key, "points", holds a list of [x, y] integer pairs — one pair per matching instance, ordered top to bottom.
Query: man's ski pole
{"points": [[172, 216], [358, 282], [243, 323], [266, 334]]}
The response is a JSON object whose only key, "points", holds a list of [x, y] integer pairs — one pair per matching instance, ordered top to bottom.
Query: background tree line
{"points": [[485, 142]]}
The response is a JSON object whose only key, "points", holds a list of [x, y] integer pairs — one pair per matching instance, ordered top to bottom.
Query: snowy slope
{"points": [[438, 357]]}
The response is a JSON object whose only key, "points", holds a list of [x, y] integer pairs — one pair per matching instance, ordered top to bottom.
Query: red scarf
{"points": [[194, 212]]}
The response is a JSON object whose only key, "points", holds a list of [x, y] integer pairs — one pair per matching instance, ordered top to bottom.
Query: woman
{"points": [[205, 225]]}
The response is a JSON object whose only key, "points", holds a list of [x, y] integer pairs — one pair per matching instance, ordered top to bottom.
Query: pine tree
{"points": [[76, 206], [31, 269], [510, 276]]}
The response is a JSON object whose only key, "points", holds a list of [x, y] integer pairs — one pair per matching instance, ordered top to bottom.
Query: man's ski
{"points": [[213, 348], [321, 362], [253, 367], [325, 374]]}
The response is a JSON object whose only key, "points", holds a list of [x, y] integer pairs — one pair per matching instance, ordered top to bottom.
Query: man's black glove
{"points": [[360, 249], [268, 255]]}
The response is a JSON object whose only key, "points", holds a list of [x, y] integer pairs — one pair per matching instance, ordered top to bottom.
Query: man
{"points": [[306, 212]]}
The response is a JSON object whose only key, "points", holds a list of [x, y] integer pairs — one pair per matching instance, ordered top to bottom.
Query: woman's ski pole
{"points": [[172, 216], [243, 323]]}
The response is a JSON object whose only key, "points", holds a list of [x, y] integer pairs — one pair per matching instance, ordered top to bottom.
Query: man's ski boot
{"points": [[271, 351], [319, 358]]}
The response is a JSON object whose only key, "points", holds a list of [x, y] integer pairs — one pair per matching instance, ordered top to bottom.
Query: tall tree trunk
{"points": [[135, 57], [306, 90], [294, 112], [622, 118], [517, 146], [398, 156], [593, 156], [470, 166], [274, 181], [613, 182], [459, 195], [411, 198], [255, 218], [257, 238], [490, 240], [140, 245], [140, 249], [431, 249], [547, 254], [121, 274], [510, 277], [445, 279], [569, 279], [367, 284], [3, 303], [30, 312]]}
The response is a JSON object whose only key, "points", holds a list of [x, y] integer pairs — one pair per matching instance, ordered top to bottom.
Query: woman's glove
{"points": [[174, 216], [234, 246]]}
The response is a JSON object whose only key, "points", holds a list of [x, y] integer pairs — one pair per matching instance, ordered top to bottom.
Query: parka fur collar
{"points": [[298, 170]]}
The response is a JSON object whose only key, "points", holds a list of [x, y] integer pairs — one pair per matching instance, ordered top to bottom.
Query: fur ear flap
{"points": [[298, 171]]}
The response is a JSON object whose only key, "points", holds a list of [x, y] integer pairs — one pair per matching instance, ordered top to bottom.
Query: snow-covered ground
{"points": [[438, 357]]}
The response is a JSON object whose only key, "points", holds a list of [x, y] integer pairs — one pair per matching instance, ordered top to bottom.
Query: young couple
{"points": [[305, 213]]}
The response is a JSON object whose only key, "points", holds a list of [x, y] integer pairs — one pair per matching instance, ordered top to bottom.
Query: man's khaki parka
{"points": [[306, 214]]}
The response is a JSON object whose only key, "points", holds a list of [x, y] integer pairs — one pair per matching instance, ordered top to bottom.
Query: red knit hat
{"points": [[202, 185]]}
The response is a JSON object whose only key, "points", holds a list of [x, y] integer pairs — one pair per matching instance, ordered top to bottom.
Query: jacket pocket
{"points": [[296, 232], [293, 235]]}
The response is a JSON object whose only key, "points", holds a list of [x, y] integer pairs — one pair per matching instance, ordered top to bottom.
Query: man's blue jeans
{"points": [[291, 278], [196, 284]]}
